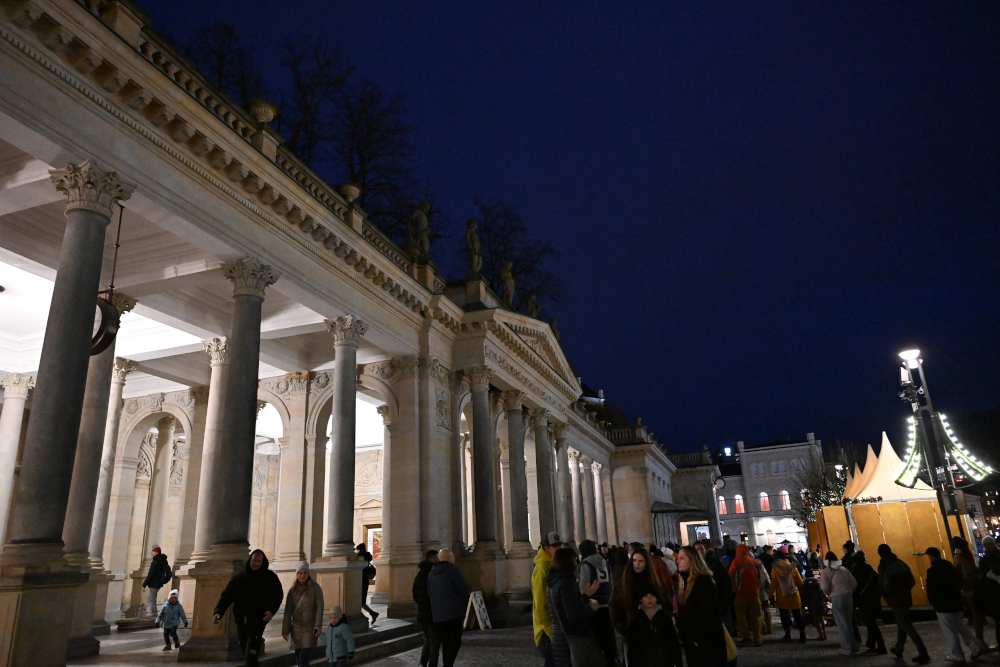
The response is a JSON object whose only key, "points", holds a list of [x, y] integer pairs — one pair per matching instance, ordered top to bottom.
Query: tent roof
{"points": [[880, 475]]}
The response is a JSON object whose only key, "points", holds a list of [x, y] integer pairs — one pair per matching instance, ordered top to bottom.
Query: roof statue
{"points": [[418, 241], [473, 249], [507, 279], [532, 309], [879, 478]]}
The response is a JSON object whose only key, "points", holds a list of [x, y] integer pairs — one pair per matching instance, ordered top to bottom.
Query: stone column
{"points": [[347, 331], [218, 353], [15, 395], [514, 401], [109, 448], [482, 454], [190, 455], [543, 462], [564, 484], [226, 487], [588, 497], [602, 512], [579, 520], [290, 531], [339, 571], [34, 575]]}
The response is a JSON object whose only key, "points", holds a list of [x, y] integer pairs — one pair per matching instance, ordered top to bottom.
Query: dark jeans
{"points": [[365, 583], [870, 619], [786, 620], [904, 627], [168, 633], [250, 635], [604, 635], [447, 639], [545, 648], [425, 651], [302, 656]]}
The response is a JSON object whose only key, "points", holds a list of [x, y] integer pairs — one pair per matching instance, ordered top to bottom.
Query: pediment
{"points": [[539, 337]]}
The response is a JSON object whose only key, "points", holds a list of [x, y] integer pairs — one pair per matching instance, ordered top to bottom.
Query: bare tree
{"points": [[217, 50], [504, 237], [820, 485]]}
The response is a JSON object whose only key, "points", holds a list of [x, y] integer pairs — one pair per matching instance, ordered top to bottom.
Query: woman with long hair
{"points": [[966, 564], [638, 574], [568, 608], [700, 619], [304, 620]]}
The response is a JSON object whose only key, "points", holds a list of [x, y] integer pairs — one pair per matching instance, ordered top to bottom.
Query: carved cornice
{"points": [[89, 188], [250, 277], [123, 303], [347, 330], [520, 349], [218, 350], [505, 365], [121, 369], [480, 376], [16, 385], [514, 399], [540, 418]]}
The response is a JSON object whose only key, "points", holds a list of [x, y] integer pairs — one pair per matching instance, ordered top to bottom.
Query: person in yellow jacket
{"points": [[785, 582], [540, 618]]}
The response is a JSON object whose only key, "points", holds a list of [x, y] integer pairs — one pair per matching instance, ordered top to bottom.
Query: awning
{"points": [[670, 508]]}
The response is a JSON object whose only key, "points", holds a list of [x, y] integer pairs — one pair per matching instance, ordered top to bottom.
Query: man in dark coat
{"points": [[767, 558], [158, 576], [896, 581], [447, 589], [944, 592], [255, 595], [423, 600], [868, 600]]}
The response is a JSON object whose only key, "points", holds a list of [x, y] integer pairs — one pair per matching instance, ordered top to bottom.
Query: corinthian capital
{"points": [[89, 188], [250, 277], [123, 303], [347, 330], [218, 350], [121, 369], [480, 376], [16, 385], [514, 399], [539, 418], [559, 430], [573, 456], [586, 462]]}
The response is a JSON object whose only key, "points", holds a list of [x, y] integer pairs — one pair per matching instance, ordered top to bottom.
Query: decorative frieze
{"points": [[89, 188], [250, 277], [491, 354], [16, 385]]}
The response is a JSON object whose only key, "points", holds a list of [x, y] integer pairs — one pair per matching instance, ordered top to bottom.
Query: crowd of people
{"points": [[604, 607]]}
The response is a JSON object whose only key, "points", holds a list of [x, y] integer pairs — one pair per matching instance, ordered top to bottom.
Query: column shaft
{"points": [[16, 388], [482, 456], [213, 463], [543, 463], [518, 477], [564, 487], [588, 497], [602, 513], [579, 520], [99, 526], [290, 530]]}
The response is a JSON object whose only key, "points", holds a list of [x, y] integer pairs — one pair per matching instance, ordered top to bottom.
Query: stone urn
{"points": [[262, 110], [350, 191]]}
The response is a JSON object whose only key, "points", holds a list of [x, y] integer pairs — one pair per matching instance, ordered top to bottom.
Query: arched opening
{"points": [[269, 433], [786, 501], [738, 502], [765, 502], [722, 505]]}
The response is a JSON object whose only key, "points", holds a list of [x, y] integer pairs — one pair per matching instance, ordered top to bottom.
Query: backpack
{"points": [[370, 572], [167, 575], [786, 584]]}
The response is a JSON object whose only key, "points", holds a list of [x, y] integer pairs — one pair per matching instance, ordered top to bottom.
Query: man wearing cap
{"points": [[541, 621]]}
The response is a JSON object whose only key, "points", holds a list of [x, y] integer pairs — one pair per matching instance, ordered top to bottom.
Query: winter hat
{"points": [[989, 539], [849, 546], [783, 549], [884, 550], [303, 565], [647, 589], [173, 594]]}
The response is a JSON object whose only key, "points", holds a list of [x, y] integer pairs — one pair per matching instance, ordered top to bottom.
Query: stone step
{"points": [[369, 646]]}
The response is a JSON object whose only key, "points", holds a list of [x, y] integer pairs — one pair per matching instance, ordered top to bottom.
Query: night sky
{"points": [[755, 204]]}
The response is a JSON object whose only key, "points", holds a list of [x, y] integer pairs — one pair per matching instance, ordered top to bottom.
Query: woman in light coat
{"points": [[838, 582], [303, 621]]}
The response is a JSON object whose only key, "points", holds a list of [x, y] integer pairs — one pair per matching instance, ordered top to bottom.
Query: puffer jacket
{"points": [[785, 572], [747, 573], [837, 581], [895, 581], [568, 609], [171, 615], [303, 617], [540, 618], [339, 641]]}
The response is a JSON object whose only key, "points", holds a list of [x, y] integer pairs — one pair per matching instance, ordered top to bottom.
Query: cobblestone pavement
{"points": [[515, 648]]}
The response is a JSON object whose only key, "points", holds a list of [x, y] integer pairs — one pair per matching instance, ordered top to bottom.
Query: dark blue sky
{"points": [[755, 203]]}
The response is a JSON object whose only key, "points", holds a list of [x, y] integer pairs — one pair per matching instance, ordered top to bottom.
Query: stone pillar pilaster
{"points": [[218, 353], [15, 395], [191, 454], [482, 454], [543, 463], [564, 484], [225, 492], [589, 505], [602, 512], [579, 520], [290, 529], [34, 575], [383, 582]]}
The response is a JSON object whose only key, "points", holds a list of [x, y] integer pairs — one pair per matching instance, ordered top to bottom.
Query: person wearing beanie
{"points": [[896, 581], [170, 616], [303, 620], [652, 639]]}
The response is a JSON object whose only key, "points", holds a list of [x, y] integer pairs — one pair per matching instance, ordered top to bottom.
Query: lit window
{"points": [[795, 463], [782, 464], [774, 468], [765, 502], [786, 502], [722, 505], [740, 509], [770, 537]]}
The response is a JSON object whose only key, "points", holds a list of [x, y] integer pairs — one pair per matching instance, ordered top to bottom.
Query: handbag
{"points": [[730, 647], [584, 651]]}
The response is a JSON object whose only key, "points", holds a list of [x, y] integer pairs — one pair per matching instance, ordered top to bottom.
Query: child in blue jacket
{"points": [[170, 616], [339, 639]]}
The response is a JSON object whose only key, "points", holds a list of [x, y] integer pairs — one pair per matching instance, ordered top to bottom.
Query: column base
{"points": [[519, 562], [401, 568], [340, 578], [202, 581], [36, 584], [81, 641]]}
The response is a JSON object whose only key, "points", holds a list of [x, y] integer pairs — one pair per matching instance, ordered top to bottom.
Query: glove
{"points": [[156, 624], [185, 624]]}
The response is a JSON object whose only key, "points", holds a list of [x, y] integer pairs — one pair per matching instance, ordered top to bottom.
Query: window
{"points": [[795, 463], [782, 464], [774, 468], [754, 469], [765, 502], [786, 502], [722, 505], [740, 509]]}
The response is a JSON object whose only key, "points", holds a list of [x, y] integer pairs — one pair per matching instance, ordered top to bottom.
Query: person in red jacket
{"points": [[748, 576]]}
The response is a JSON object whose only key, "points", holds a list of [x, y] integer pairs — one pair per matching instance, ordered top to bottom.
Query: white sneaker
{"points": [[955, 658]]}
